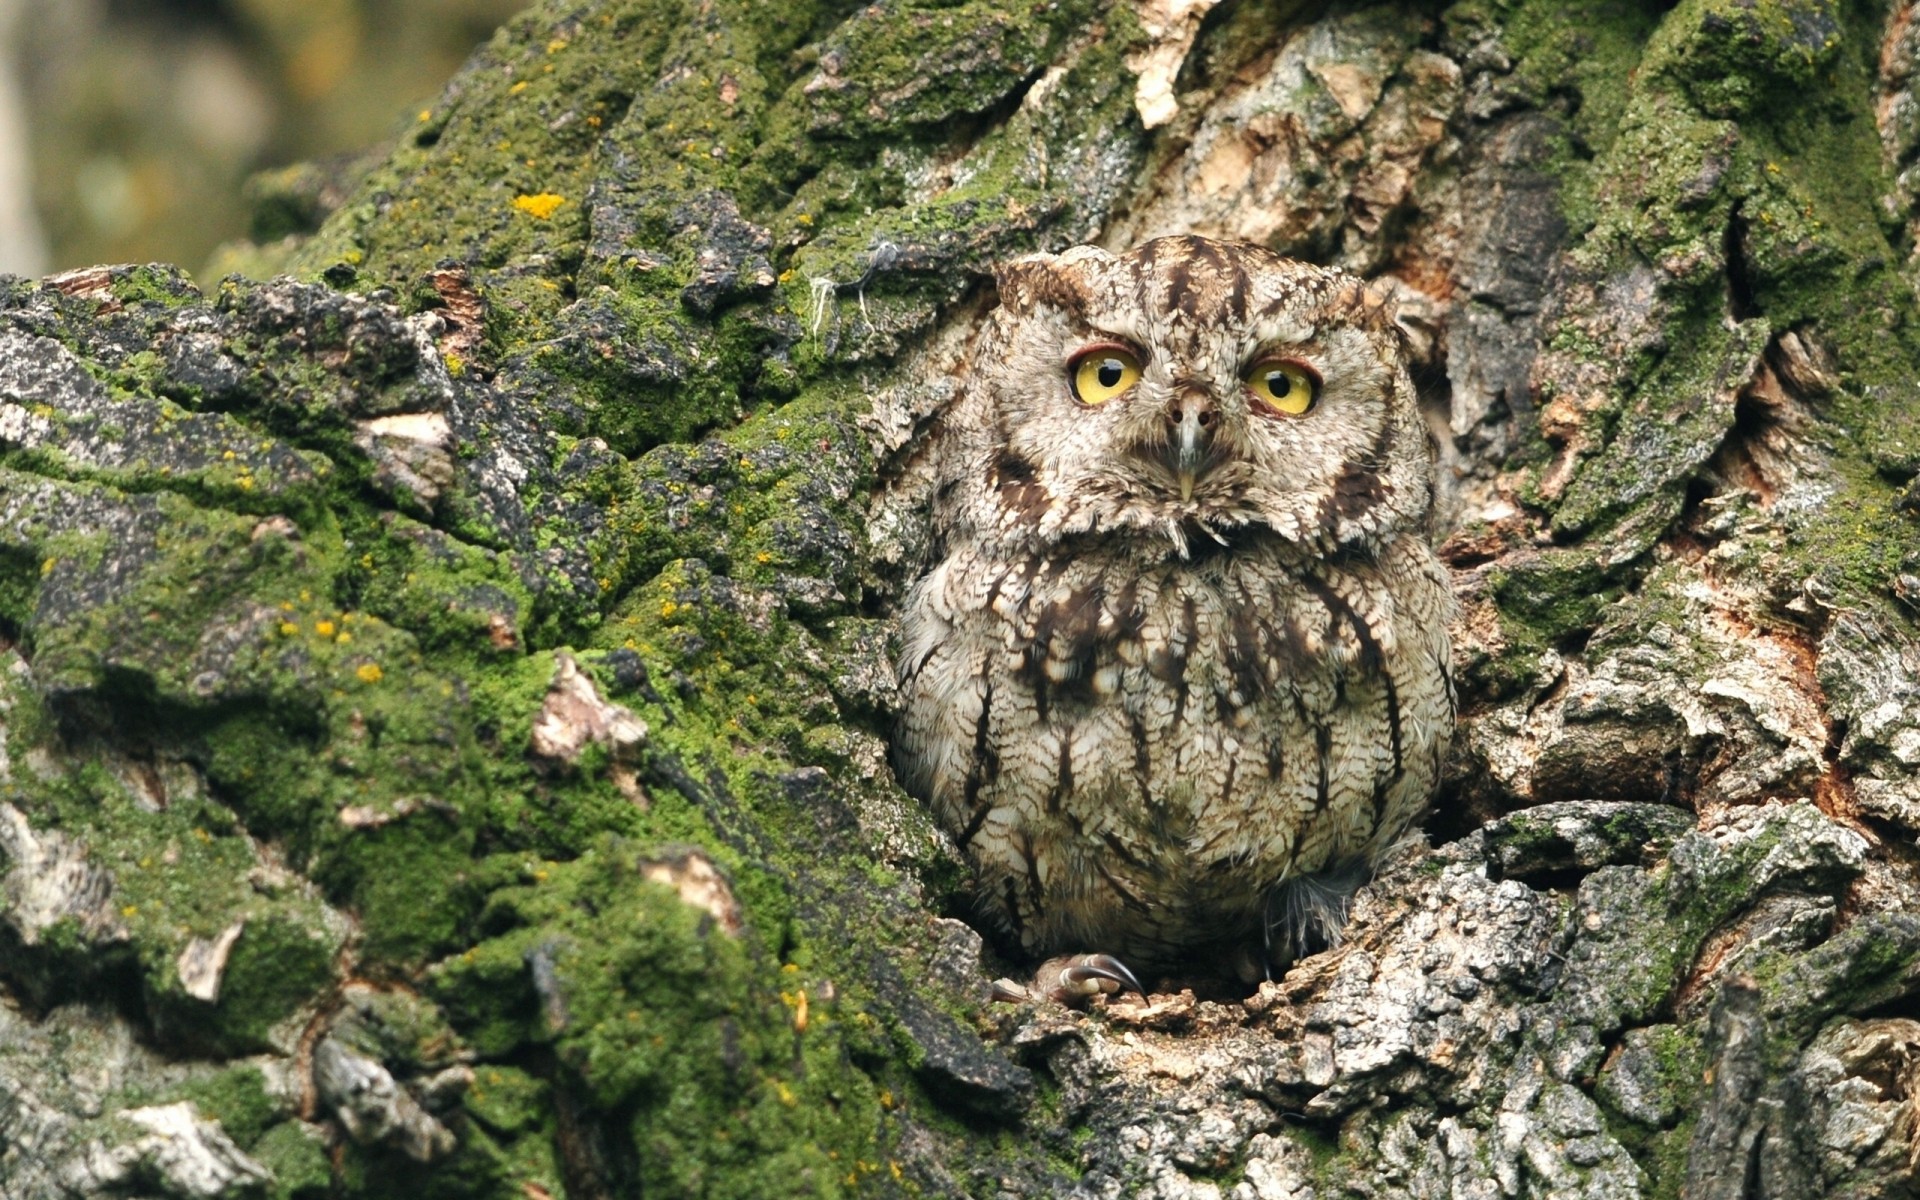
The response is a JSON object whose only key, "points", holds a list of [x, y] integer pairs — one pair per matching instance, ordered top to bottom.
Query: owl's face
{"points": [[1198, 389]]}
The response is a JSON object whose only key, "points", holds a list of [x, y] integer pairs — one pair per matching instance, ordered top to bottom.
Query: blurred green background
{"points": [[129, 127]]}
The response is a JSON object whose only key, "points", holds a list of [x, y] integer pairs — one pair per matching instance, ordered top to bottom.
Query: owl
{"points": [[1180, 675]]}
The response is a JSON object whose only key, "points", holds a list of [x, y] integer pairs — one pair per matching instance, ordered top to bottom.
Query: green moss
{"points": [[1735, 58], [921, 64], [533, 126], [1724, 156], [155, 285], [648, 375], [1680, 413], [209, 458], [772, 498], [20, 572], [1543, 601], [461, 602], [359, 758], [1525, 835], [181, 876], [408, 884], [281, 962], [1859, 970], [658, 1012], [1678, 1080], [239, 1100], [508, 1100], [259, 1121], [1663, 1156], [298, 1159], [1333, 1162], [476, 1168]]}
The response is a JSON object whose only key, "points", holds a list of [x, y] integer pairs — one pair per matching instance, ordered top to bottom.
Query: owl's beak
{"points": [[1191, 442]]}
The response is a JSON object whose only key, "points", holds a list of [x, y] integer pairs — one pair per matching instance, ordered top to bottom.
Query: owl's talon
{"points": [[1080, 977]]}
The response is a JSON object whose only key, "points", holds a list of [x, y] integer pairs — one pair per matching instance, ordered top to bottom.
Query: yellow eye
{"points": [[1099, 373], [1283, 386]]}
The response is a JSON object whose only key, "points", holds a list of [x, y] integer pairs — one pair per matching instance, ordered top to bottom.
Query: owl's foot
{"points": [[1308, 913], [1071, 979]]}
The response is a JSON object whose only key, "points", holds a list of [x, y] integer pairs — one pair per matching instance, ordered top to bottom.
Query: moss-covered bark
{"points": [[447, 689]]}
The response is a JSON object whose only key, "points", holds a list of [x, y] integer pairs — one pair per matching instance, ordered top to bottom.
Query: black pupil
{"points": [[1110, 372], [1278, 383]]}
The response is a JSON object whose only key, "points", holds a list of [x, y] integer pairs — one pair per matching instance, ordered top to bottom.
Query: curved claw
{"points": [[1083, 976]]}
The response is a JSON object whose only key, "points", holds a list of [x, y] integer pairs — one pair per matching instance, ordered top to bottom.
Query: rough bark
{"points": [[445, 691]]}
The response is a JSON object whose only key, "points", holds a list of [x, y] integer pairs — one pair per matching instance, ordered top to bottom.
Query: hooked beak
{"points": [[1190, 441]]}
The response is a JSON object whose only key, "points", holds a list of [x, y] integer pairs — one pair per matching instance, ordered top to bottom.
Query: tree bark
{"points": [[446, 689]]}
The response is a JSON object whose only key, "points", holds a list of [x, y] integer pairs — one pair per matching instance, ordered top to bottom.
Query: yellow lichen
{"points": [[540, 205]]}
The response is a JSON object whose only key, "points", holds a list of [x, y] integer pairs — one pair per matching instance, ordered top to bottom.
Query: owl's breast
{"points": [[1119, 742]]}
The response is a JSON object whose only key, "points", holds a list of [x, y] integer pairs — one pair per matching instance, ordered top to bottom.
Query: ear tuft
{"points": [[1038, 280]]}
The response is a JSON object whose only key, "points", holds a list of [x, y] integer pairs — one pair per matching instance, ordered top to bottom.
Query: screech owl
{"points": [[1181, 675]]}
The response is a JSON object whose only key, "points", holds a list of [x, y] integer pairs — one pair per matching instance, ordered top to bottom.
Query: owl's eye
{"points": [[1099, 373], [1281, 385]]}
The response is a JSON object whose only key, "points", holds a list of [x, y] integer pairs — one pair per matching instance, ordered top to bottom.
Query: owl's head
{"points": [[1198, 389]]}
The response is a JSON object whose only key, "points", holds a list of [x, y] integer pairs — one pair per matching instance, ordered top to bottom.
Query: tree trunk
{"points": [[446, 691]]}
